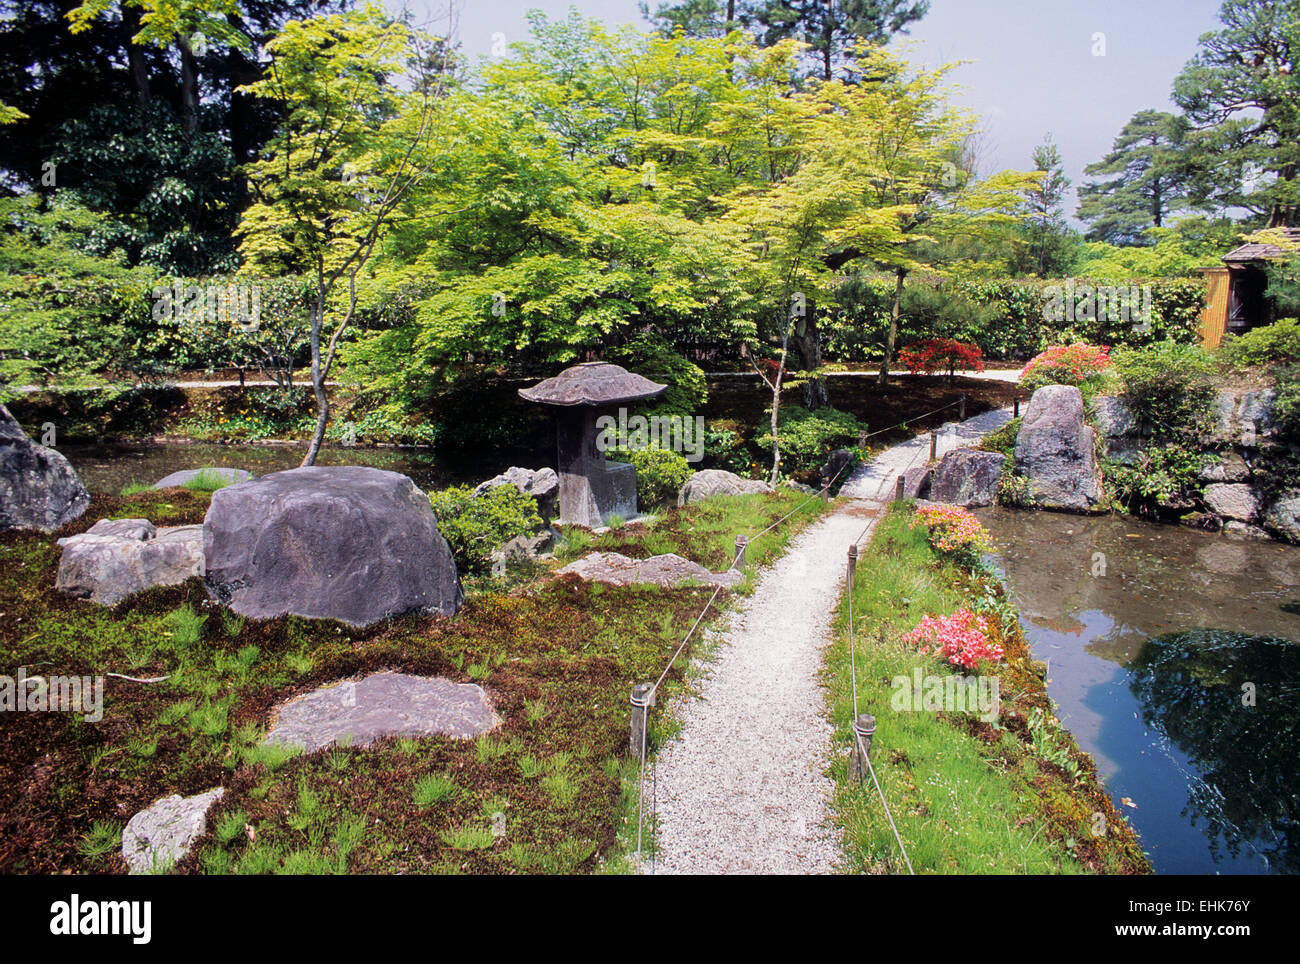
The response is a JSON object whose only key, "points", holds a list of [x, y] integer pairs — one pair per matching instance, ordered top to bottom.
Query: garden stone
{"points": [[1225, 405], [1255, 416], [1113, 417], [1055, 449], [836, 468], [1230, 468], [966, 477], [178, 479], [710, 482], [916, 482], [543, 485], [39, 489], [1232, 501], [1283, 516], [138, 529], [1243, 529], [341, 542], [523, 548], [126, 557], [668, 570], [358, 712], [157, 837]]}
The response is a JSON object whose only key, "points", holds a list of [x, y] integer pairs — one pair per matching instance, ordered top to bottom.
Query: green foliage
{"points": [[1144, 180], [1268, 345], [654, 357], [1168, 387], [1286, 410], [808, 437], [1003, 440], [725, 446], [660, 474], [1164, 476], [475, 526]]}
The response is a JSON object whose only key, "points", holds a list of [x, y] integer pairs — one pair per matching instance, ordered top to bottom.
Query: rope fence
{"points": [[643, 694]]}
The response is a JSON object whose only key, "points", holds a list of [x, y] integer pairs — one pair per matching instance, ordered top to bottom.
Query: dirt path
{"points": [[743, 787]]}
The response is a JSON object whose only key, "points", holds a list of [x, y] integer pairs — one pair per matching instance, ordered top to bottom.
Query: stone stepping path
{"points": [[358, 712], [743, 787]]}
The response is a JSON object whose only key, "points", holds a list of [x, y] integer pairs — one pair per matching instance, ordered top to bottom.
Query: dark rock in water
{"points": [[1056, 450], [228, 476], [966, 477], [38, 488], [341, 542], [117, 559], [358, 712]]}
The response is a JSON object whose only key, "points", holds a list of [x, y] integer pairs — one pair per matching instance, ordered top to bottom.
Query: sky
{"points": [[1077, 69]]}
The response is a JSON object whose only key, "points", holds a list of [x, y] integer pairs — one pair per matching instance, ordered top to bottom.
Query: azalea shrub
{"points": [[941, 355], [1082, 365], [954, 533], [962, 639]]}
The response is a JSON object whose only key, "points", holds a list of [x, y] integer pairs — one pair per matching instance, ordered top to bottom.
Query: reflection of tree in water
{"points": [[1190, 686]]}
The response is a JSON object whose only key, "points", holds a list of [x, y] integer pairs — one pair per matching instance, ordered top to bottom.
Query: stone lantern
{"points": [[591, 489]]}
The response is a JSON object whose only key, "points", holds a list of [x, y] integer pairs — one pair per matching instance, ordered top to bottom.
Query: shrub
{"points": [[1278, 342], [940, 355], [1081, 365], [1168, 387], [1286, 411], [808, 437], [1003, 440], [725, 447], [660, 473], [1163, 476], [475, 526], [955, 533], [962, 638]]}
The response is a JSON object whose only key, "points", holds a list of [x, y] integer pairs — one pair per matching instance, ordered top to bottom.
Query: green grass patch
{"points": [[968, 796]]}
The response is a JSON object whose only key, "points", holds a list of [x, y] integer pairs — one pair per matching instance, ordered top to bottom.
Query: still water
{"points": [[109, 468], [1174, 659]]}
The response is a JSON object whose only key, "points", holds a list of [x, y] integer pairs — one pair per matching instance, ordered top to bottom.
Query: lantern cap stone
{"points": [[592, 383]]}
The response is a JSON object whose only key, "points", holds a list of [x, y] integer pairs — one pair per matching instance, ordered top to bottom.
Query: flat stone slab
{"points": [[185, 476], [669, 570], [383, 704], [160, 835]]}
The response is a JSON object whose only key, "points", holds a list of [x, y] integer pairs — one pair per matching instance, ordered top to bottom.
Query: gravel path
{"points": [[743, 787]]}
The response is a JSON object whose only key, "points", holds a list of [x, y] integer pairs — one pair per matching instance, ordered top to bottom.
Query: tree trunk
{"points": [[135, 56], [189, 85], [893, 324], [807, 342], [318, 388]]}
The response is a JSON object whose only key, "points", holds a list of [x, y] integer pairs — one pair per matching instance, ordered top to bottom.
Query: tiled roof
{"points": [[1254, 251]]}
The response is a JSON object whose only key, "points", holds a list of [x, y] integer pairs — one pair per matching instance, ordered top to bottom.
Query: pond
{"points": [[108, 468], [1174, 659]]}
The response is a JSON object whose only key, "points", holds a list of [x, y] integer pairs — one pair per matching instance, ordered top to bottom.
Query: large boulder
{"points": [[1113, 417], [1056, 451], [1229, 467], [186, 476], [966, 477], [710, 482], [916, 482], [542, 484], [38, 488], [1232, 501], [1283, 516], [341, 542], [118, 558]]}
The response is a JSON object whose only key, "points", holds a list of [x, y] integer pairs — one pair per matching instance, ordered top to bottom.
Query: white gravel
{"points": [[743, 788]]}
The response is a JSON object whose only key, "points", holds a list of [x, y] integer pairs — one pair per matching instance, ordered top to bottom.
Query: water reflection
{"points": [[1094, 594]]}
